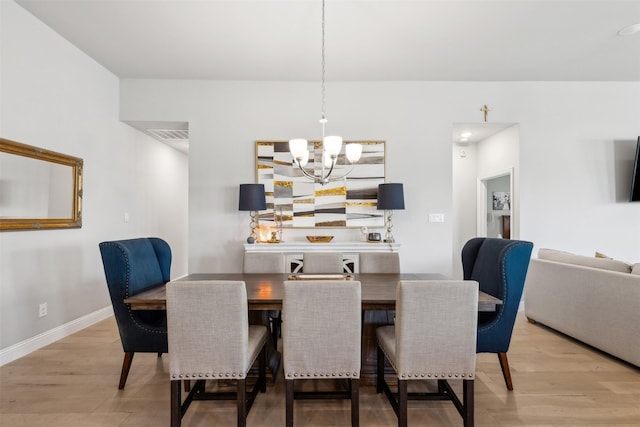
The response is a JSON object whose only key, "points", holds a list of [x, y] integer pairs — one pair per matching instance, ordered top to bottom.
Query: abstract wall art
{"points": [[295, 201]]}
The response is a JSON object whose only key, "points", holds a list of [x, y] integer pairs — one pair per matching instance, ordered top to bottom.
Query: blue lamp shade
{"points": [[252, 197], [390, 197]]}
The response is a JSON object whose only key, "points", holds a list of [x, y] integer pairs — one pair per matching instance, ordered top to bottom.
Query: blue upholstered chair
{"points": [[130, 267], [500, 267]]}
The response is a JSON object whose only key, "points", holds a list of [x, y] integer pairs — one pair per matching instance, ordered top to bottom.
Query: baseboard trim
{"points": [[27, 346]]}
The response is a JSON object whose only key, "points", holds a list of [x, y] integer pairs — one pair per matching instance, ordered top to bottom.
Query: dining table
{"points": [[265, 292]]}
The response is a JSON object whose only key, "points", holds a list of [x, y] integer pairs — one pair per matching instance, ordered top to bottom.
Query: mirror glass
{"points": [[38, 188]]}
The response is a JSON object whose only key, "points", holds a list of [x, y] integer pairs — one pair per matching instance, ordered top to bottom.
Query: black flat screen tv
{"points": [[635, 179]]}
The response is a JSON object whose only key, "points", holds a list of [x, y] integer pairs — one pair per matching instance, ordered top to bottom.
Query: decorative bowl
{"points": [[319, 239]]}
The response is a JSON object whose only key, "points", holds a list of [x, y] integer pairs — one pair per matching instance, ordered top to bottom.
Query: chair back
{"points": [[256, 262], [322, 262], [379, 262], [132, 266], [500, 267], [436, 328], [208, 329], [321, 329]]}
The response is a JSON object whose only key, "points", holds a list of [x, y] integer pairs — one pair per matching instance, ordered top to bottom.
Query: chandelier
{"points": [[331, 145]]}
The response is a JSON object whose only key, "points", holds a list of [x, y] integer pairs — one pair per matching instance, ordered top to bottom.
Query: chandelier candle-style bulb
{"points": [[332, 145], [298, 148], [353, 151], [328, 161]]}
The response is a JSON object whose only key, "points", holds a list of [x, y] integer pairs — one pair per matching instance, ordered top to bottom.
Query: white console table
{"points": [[293, 251]]}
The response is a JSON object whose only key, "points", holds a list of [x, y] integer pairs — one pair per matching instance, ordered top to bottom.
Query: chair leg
{"points": [[274, 330], [278, 330], [504, 364], [126, 365], [262, 370], [380, 371], [403, 396], [242, 402], [289, 402], [355, 402], [468, 402], [176, 404]]}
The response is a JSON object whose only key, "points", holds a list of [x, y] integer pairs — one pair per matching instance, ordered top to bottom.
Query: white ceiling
{"points": [[366, 40]]}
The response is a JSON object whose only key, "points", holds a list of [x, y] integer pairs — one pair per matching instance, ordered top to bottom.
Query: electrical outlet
{"points": [[42, 310]]}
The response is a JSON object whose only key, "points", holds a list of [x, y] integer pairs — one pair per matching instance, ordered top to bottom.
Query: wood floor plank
{"points": [[558, 382]]}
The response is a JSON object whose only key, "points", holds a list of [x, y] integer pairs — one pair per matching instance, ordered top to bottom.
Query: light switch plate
{"points": [[436, 217]]}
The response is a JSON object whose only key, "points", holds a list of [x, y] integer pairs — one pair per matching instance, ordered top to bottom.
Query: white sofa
{"points": [[594, 300]]}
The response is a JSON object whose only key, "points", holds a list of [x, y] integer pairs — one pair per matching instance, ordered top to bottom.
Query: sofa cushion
{"points": [[569, 258], [635, 268]]}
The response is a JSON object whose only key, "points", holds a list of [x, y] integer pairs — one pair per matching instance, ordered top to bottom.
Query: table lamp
{"points": [[390, 198], [252, 199]]}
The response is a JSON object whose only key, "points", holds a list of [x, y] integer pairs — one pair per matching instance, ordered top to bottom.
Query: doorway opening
{"points": [[485, 164], [494, 205]]}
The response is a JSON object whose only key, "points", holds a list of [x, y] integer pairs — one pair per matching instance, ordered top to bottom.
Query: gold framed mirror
{"points": [[39, 189]]}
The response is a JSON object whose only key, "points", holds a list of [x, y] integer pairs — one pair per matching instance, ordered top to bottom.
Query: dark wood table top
{"points": [[265, 291]]}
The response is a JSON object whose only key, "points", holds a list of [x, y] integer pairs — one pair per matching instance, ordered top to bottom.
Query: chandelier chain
{"points": [[323, 61], [331, 146]]}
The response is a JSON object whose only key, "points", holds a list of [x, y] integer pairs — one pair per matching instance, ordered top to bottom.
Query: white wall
{"points": [[55, 97], [567, 134], [465, 204]]}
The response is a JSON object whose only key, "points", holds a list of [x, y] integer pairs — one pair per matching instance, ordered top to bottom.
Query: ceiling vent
{"points": [[169, 135]]}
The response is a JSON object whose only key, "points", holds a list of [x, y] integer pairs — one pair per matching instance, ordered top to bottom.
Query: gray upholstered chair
{"points": [[268, 262], [322, 262], [379, 262], [434, 338], [210, 339], [327, 349]]}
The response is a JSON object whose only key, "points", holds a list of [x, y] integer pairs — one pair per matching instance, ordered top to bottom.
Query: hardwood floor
{"points": [[557, 382]]}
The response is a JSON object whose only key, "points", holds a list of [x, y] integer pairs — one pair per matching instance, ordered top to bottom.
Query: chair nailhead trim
{"points": [[316, 374], [210, 375]]}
